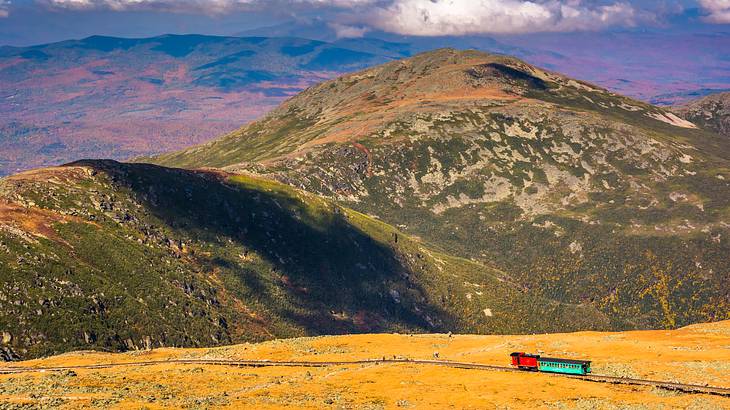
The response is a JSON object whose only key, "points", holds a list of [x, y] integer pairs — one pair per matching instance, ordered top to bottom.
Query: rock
{"points": [[89, 337], [147, 343], [7, 354]]}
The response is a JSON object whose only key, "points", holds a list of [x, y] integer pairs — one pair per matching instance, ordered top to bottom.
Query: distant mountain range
{"points": [[659, 65], [117, 98], [120, 98], [450, 191]]}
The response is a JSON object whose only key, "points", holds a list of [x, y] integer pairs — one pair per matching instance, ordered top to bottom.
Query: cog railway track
{"points": [[681, 387]]}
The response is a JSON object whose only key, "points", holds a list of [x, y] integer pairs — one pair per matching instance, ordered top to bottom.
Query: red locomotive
{"points": [[524, 361], [535, 362]]}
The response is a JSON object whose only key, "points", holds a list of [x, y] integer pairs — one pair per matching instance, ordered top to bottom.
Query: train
{"points": [[537, 363]]}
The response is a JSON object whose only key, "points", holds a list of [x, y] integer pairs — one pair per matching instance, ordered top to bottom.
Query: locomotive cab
{"points": [[524, 361]]}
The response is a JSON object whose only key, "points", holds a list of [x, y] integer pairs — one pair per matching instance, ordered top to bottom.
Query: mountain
{"points": [[664, 64], [110, 97], [118, 97], [711, 112], [577, 194], [105, 255]]}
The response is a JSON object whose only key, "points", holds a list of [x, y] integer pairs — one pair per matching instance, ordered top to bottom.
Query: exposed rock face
{"points": [[711, 112], [575, 193]]}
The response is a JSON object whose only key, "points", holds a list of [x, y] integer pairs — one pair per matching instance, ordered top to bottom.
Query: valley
{"points": [[127, 97], [105, 255]]}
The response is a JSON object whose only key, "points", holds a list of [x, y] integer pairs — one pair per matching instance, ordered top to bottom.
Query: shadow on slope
{"points": [[293, 254]]}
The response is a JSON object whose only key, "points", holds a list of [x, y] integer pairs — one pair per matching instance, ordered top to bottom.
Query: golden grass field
{"points": [[698, 354]]}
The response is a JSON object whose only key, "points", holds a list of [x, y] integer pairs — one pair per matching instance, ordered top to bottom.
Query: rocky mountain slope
{"points": [[711, 112], [576, 193], [105, 255]]}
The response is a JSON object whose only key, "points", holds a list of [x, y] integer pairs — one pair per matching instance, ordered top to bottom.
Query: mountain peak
{"points": [[434, 74], [436, 83], [575, 191]]}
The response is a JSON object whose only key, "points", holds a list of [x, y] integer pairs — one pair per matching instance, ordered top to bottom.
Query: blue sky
{"points": [[25, 22]]}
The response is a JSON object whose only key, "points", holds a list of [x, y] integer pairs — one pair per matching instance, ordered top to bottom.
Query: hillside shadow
{"points": [[320, 273]]}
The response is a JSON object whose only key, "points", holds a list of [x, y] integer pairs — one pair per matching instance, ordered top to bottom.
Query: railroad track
{"points": [[686, 388]]}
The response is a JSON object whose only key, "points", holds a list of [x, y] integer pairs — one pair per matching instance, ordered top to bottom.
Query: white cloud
{"points": [[204, 6], [4, 8], [718, 11], [459, 17], [353, 18], [347, 31]]}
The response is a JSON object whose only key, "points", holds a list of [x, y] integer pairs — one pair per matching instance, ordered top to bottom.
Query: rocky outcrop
{"points": [[711, 112]]}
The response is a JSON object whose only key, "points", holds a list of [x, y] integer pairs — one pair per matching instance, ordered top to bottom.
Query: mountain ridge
{"points": [[364, 81], [483, 155], [105, 255]]}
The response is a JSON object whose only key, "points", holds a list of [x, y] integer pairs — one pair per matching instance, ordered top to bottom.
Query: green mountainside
{"points": [[711, 112], [575, 193], [105, 255]]}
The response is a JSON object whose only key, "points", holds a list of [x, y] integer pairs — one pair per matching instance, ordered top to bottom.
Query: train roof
{"points": [[558, 360]]}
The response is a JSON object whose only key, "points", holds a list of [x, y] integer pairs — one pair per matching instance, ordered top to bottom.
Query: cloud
{"points": [[196, 6], [4, 8], [718, 11], [462, 17], [354, 18], [347, 31]]}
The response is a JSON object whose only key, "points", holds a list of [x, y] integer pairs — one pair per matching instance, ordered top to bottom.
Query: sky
{"points": [[27, 22]]}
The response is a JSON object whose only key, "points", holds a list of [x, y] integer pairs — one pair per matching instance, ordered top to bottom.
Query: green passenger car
{"points": [[565, 366]]}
